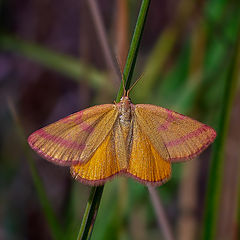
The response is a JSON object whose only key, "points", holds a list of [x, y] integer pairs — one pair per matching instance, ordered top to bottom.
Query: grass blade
{"points": [[133, 50], [90, 213]]}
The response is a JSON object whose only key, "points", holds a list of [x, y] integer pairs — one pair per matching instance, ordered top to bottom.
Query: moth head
{"points": [[125, 100]]}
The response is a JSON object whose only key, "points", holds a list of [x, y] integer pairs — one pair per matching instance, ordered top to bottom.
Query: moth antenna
{"points": [[119, 63], [122, 75], [134, 84]]}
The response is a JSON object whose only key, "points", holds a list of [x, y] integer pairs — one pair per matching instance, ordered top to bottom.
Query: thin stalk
{"points": [[101, 32], [216, 170], [96, 192], [90, 213], [161, 216]]}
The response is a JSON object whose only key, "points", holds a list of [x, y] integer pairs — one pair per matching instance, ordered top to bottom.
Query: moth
{"points": [[140, 141]]}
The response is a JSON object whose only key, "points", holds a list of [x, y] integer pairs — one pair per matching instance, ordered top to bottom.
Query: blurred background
{"points": [[52, 64]]}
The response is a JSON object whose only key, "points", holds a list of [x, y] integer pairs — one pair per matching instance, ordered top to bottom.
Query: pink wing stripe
{"points": [[170, 118], [76, 120], [84, 126], [163, 126], [60, 140], [180, 140]]}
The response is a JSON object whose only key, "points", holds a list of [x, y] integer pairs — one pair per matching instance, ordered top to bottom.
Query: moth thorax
{"points": [[125, 110]]}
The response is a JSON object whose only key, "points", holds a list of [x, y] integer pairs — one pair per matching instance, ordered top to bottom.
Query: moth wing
{"points": [[183, 137], [75, 138], [109, 159], [145, 163]]}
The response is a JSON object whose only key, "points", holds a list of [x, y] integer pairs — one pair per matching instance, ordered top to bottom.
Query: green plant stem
{"points": [[133, 50], [216, 169], [96, 192], [90, 213]]}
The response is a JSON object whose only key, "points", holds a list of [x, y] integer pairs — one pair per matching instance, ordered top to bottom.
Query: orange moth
{"points": [[140, 141]]}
